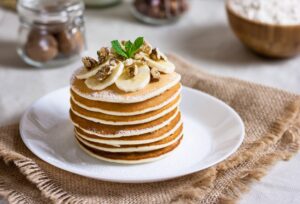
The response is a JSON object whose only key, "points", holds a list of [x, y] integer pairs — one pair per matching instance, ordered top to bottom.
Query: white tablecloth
{"points": [[202, 36]]}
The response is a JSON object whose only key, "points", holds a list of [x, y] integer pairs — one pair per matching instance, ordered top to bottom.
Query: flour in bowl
{"points": [[281, 12]]}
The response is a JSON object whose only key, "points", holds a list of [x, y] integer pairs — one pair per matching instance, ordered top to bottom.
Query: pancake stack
{"points": [[127, 127]]}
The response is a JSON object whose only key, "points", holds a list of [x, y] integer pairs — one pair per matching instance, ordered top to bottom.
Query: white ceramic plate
{"points": [[212, 132]]}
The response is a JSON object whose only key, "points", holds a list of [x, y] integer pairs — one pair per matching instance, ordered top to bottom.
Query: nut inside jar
{"points": [[161, 9], [50, 34], [47, 44]]}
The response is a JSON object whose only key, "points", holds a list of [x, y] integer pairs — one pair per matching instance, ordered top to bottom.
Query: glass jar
{"points": [[101, 3], [159, 12], [51, 33]]}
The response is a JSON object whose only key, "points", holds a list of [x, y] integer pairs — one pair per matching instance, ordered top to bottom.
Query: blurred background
{"points": [[202, 36]]}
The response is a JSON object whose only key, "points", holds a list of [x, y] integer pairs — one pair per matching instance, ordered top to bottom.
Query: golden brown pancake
{"points": [[127, 107], [96, 116], [127, 127], [125, 130], [143, 137], [168, 139], [132, 157]]}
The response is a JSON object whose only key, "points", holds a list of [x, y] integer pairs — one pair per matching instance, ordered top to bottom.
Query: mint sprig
{"points": [[130, 48], [118, 49]]}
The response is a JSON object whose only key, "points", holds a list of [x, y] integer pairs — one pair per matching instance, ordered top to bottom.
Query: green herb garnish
{"points": [[130, 48]]}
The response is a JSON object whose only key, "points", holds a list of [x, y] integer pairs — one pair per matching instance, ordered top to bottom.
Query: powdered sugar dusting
{"points": [[73, 77], [108, 95]]}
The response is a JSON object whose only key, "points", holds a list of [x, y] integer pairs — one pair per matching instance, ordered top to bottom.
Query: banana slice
{"points": [[162, 66], [84, 74], [139, 81], [95, 84]]}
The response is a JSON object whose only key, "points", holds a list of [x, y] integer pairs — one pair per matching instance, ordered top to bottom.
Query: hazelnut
{"points": [[161, 9], [70, 42], [41, 46]]}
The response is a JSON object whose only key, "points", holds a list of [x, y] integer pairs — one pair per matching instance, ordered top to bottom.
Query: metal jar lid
{"points": [[49, 11]]}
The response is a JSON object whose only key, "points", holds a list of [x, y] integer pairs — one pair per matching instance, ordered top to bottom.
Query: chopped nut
{"points": [[146, 48], [112, 51], [103, 54], [157, 55], [138, 56], [113, 61], [89, 62], [128, 62], [140, 62], [132, 70], [104, 72], [155, 74]]}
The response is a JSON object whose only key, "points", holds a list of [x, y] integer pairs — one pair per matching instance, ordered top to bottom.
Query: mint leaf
{"points": [[136, 45], [117, 47], [128, 47]]}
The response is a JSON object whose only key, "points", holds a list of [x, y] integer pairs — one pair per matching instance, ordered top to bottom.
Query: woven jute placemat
{"points": [[272, 122]]}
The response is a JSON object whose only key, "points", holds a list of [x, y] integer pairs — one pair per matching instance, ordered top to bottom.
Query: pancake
{"points": [[115, 95], [128, 109], [123, 120], [114, 131], [171, 139], [133, 140], [130, 158]]}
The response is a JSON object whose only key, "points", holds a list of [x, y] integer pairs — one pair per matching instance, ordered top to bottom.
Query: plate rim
{"points": [[158, 179]]}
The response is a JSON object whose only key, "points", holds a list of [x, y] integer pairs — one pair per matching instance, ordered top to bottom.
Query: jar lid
{"points": [[45, 11]]}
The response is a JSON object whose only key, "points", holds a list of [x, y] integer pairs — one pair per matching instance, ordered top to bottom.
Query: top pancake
{"points": [[114, 95]]}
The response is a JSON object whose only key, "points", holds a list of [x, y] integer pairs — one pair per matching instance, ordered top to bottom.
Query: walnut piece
{"points": [[146, 48], [103, 54], [157, 55], [138, 56], [89, 62], [113, 62], [132, 71], [104, 72], [155, 74]]}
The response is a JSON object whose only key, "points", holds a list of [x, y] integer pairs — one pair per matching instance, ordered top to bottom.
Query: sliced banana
{"points": [[162, 65], [84, 74], [139, 81], [95, 84]]}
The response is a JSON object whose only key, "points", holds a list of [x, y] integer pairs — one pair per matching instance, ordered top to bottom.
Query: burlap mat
{"points": [[272, 133]]}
